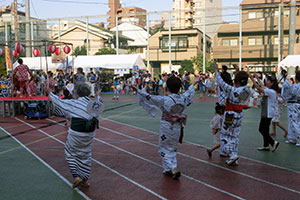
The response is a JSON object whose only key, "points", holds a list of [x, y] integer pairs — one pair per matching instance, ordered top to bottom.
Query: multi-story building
{"points": [[114, 5], [190, 13], [133, 15], [260, 22], [39, 30], [185, 44]]}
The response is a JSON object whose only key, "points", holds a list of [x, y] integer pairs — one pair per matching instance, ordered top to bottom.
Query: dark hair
{"points": [[20, 61], [224, 67], [79, 69], [283, 71], [298, 76], [241, 77], [274, 81], [174, 84], [82, 90], [219, 108]]}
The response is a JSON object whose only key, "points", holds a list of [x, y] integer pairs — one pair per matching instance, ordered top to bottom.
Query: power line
{"points": [[76, 2]]}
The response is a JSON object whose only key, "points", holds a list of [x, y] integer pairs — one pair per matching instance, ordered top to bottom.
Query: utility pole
{"points": [[14, 11], [27, 16], [292, 26], [280, 30]]}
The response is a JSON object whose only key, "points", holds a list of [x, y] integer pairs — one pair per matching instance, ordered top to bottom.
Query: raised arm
{"points": [[226, 87], [260, 88]]}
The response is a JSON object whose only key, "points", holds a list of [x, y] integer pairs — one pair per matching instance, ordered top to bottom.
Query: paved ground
{"points": [[126, 164]]}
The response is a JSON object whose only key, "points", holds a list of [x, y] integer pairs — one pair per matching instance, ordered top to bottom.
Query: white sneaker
{"points": [[290, 142], [298, 144], [275, 145], [232, 161]]}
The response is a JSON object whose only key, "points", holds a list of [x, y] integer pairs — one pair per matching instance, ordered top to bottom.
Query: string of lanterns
{"points": [[52, 49]]}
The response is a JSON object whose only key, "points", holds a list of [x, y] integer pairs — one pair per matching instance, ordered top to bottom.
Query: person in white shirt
{"points": [[267, 110]]}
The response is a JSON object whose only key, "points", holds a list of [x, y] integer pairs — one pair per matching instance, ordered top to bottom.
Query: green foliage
{"points": [[80, 51], [105, 51], [198, 61], [2, 64], [186, 65]]}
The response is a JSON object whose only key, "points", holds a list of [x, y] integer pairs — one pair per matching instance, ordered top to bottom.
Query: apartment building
{"points": [[190, 13], [133, 15], [260, 22], [185, 44]]}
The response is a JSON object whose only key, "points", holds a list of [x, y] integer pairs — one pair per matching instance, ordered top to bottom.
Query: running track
{"points": [[126, 165]]}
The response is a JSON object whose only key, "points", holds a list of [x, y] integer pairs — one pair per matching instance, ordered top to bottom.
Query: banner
{"points": [[7, 59]]}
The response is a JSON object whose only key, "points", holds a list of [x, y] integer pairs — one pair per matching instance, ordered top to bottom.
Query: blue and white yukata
{"points": [[4, 84], [291, 93], [169, 132], [230, 133], [78, 147]]}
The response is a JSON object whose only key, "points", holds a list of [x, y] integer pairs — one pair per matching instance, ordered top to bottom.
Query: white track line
{"points": [[200, 160], [254, 160], [98, 162], [46, 164], [156, 164]]}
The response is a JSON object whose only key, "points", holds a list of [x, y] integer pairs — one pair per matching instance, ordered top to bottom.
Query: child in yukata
{"points": [[4, 84], [291, 93], [236, 98], [277, 115], [172, 121], [215, 125]]}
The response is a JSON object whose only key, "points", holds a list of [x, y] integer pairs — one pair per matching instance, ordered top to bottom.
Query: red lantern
{"points": [[18, 48], [52, 48], [67, 49], [57, 51], [1, 52], [36, 52], [14, 53]]}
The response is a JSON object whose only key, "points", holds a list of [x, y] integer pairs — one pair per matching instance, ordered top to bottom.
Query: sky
{"points": [[44, 9]]}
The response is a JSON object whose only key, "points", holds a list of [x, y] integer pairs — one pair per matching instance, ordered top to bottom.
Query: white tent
{"points": [[109, 62], [39, 63], [290, 63]]}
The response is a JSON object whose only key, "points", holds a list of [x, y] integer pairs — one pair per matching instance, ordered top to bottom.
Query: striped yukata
{"points": [[78, 147]]}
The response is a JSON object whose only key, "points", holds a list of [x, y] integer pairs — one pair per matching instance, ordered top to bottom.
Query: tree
{"points": [[80, 51], [105, 51], [198, 61], [2, 64], [186, 65]]}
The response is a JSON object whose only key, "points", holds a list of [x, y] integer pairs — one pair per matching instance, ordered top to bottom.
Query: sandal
{"points": [[76, 182]]}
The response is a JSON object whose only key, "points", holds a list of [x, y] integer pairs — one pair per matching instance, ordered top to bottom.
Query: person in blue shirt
{"points": [[117, 88]]}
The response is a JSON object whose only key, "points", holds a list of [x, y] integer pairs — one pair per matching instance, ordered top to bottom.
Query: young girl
{"points": [[31, 87], [267, 111], [276, 118], [171, 124], [215, 125]]}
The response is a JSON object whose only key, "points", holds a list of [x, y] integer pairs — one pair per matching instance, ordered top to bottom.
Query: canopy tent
{"points": [[109, 62], [115, 62], [39, 63], [291, 63]]}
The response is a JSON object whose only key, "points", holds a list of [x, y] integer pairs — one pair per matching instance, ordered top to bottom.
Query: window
{"points": [[286, 13], [252, 15], [259, 15], [255, 41], [285, 41], [230, 42], [233, 42], [176, 43], [225, 43]]}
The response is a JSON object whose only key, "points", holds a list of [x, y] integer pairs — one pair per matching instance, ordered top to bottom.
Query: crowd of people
{"points": [[172, 94]]}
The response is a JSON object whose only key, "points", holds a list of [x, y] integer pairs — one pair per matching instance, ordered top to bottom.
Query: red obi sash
{"points": [[235, 108]]}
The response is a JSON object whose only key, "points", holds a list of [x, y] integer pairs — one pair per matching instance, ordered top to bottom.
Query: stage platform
{"points": [[11, 106]]}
